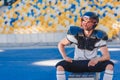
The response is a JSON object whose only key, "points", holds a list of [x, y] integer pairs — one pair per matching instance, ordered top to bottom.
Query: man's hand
{"points": [[68, 59], [93, 62]]}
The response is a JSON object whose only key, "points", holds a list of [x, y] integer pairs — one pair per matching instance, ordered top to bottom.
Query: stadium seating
{"points": [[1, 3], [34, 16]]}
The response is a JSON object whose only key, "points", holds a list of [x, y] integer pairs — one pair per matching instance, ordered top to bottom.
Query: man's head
{"points": [[89, 20]]}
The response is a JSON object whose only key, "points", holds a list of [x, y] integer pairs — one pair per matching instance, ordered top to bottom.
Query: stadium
{"points": [[31, 29]]}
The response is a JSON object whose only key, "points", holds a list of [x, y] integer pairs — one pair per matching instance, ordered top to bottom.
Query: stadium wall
{"points": [[47, 21]]}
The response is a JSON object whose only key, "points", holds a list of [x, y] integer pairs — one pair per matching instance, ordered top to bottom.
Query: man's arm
{"points": [[61, 47], [105, 56]]}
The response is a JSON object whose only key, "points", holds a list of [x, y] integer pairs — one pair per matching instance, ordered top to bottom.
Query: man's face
{"points": [[88, 23]]}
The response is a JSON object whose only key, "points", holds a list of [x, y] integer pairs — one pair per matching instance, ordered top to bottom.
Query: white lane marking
{"points": [[47, 62]]}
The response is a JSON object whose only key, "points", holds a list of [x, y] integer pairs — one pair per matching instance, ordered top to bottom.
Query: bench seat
{"points": [[84, 76]]}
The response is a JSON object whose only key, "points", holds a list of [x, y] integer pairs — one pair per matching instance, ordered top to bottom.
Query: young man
{"points": [[87, 41]]}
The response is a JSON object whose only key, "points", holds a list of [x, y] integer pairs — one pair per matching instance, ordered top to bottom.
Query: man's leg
{"points": [[75, 66], [60, 74], [108, 75]]}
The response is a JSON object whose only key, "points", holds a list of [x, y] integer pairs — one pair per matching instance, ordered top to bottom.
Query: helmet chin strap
{"points": [[94, 26]]}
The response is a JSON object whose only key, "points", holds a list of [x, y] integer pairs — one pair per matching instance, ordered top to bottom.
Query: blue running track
{"points": [[39, 64]]}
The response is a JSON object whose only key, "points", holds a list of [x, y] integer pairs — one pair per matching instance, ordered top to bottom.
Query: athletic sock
{"points": [[61, 75], [108, 75]]}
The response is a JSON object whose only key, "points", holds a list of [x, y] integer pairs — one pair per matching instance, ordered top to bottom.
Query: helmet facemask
{"points": [[92, 16]]}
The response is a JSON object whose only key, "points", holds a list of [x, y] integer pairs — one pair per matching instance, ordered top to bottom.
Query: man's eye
{"points": [[84, 20]]}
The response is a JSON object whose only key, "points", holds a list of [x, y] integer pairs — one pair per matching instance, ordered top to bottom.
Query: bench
{"points": [[84, 76]]}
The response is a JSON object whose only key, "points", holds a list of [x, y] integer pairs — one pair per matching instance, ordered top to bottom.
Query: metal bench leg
{"points": [[97, 75]]}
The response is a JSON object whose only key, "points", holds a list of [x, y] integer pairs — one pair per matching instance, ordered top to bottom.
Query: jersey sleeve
{"points": [[72, 39], [101, 43]]}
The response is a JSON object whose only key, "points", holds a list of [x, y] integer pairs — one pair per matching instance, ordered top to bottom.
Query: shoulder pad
{"points": [[74, 30], [101, 35]]}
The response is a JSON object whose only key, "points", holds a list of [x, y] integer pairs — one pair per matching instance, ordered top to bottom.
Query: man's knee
{"points": [[109, 67], [60, 68]]}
